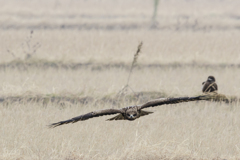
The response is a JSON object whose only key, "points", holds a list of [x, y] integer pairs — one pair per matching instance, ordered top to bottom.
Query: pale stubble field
{"points": [[172, 61], [200, 130]]}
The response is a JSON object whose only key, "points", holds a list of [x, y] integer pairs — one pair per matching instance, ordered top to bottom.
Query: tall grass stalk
{"points": [[134, 62]]}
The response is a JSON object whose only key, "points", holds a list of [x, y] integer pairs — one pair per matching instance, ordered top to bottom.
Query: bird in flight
{"points": [[210, 85], [128, 113]]}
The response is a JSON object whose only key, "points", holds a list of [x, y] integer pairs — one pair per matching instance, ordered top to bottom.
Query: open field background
{"points": [[80, 53], [203, 130]]}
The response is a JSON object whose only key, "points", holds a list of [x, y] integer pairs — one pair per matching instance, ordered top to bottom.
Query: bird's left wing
{"points": [[212, 86], [163, 101], [87, 116]]}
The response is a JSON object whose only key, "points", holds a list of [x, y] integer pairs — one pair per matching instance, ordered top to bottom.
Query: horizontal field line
{"points": [[121, 27], [45, 64], [117, 99], [113, 100]]}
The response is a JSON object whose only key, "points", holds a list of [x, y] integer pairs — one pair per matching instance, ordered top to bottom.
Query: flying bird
{"points": [[210, 85], [128, 113]]}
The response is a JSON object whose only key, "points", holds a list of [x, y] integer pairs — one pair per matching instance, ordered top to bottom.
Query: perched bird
{"points": [[210, 85], [128, 113]]}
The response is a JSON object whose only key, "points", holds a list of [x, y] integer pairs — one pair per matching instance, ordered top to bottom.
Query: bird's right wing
{"points": [[163, 101], [87, 116]]}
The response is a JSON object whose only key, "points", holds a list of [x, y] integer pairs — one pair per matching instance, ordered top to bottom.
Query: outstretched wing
{"points": [[163, 101], [144, 113], [87, 116], [118, 117]]}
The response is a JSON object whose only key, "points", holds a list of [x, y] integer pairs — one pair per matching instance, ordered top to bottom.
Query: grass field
{"points": [[84, 54]]}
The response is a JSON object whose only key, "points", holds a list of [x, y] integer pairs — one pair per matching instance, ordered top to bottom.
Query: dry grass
{"points": [[176, 41], [118, 46], [87, 82], [191, 130], [194, 130]]}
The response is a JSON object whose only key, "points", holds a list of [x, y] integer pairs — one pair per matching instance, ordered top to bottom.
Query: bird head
{"points": [[211, 79], [132, 113]]}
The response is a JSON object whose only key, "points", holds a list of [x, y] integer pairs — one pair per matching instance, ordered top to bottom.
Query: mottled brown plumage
{"points": [[210, 85], [128, 113]]}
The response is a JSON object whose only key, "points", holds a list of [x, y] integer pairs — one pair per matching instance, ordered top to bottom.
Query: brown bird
{"points": [[210, 85], [128, 113]]}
